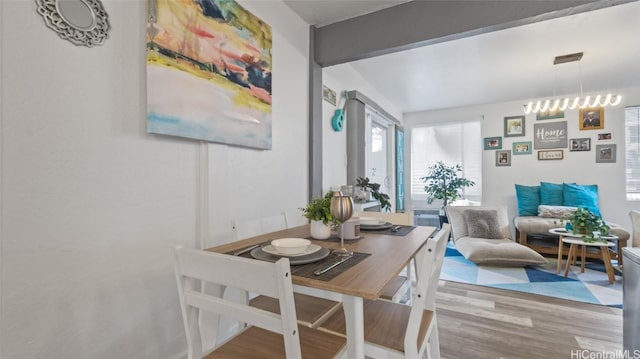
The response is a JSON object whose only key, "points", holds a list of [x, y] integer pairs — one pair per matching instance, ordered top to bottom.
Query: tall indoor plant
{"points": [[444, 183]]}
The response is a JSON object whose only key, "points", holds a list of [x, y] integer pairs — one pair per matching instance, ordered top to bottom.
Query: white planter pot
{"points": [[319, 230]]}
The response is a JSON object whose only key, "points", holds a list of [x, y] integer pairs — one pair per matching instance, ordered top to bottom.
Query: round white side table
{"points": [[575, 240]]}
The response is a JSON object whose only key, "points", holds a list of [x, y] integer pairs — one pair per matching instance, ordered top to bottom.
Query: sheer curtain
{"points": [[452, 143], [632, 152]]}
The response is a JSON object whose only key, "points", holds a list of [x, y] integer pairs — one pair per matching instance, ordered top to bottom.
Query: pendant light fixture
{"points": [[561, 104]]}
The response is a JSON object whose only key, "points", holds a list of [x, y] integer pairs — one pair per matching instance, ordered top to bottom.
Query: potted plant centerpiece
{"points": [[444, 183], [374, 188], [319, 212], [582, 221]]}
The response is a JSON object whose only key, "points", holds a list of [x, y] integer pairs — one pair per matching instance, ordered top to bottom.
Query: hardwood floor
{"points": [[480, 322]]}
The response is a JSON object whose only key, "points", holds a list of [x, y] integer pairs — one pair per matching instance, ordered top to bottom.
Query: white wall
{"points": [[342, 78], [579, 167], [92, 205]]}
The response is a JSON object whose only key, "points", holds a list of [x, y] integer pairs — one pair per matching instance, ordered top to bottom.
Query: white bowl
{"points": [[289, 246]]}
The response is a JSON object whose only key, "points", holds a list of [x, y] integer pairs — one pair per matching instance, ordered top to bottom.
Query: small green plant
{"points": [[443, 182], [383, 198], [319, 209], [583, 221]]}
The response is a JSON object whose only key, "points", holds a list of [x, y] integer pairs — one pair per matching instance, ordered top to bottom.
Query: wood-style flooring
{"points": [[481, 322]]}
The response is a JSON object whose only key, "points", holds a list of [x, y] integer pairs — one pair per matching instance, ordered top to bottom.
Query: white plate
{"points": [[371, 221], [385, 225], [311, 249]]}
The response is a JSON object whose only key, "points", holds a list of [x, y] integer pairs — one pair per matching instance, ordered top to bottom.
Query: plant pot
{"points": [[320, 230]]}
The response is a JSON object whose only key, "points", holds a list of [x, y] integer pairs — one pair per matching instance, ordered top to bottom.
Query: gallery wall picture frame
{"points": [[328, 95], [549, 115], [591, 118], [514, 126], [548, 135], [605, 136], [493, 143], [579, 144], [522, 148], [606, 153], [549, 155], [503, 158]]}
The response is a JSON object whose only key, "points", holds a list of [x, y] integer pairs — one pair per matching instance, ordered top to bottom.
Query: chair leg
{"points": [[433, 348]]}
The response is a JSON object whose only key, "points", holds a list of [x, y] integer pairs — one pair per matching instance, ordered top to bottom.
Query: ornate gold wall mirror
{"points": [[83, 22]]}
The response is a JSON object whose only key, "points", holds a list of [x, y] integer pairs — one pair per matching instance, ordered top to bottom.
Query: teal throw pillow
{"points": [[551, 194], [583, 196], [528, 200]]}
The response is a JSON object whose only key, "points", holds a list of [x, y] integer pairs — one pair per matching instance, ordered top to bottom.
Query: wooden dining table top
{"points": [[389, 255]]}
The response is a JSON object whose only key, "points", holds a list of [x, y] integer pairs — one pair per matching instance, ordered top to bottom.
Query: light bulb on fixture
{"points": [[571, 103]]}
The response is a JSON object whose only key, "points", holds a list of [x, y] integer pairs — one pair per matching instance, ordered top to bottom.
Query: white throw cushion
{"points": [[562, 212]]}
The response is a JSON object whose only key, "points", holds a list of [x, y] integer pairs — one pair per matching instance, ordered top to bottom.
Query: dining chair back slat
{"points": [[240, 273]]}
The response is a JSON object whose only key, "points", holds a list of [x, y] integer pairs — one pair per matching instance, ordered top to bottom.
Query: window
{"points": [[452, 143], [632, 152]]}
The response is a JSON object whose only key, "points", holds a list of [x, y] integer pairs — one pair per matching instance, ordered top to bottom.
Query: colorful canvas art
{"points": [[209, 72]]}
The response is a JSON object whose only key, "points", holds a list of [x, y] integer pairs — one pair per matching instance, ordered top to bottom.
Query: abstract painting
{"points": [[209, 72]]}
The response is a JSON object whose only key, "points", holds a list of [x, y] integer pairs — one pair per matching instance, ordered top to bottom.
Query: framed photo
{"points": [[329, 95], [549, 115], [591, 118], [514, 126], [550, 135], [605, 136], [493, 143], [580, 144], [522, 148], [605, 153], [550, 155], [503, 158]]}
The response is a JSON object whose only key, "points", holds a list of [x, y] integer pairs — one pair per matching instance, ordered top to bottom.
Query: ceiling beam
{"points": [[425, 22]]}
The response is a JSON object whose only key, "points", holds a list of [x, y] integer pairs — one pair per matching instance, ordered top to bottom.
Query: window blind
{"points": [[452, 143], [632, 152]]}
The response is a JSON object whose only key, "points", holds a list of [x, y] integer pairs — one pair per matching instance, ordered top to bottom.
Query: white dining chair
{"points": [[403, 284], [310, 310], [393, 330], [268, 335]]}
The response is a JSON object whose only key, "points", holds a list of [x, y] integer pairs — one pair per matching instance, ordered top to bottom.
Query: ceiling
{"points": [[506, 65]]}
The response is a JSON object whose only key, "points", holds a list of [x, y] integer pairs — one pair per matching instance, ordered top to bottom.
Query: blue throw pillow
{"points": [[551, 194], [583, 196], [528, 200]]}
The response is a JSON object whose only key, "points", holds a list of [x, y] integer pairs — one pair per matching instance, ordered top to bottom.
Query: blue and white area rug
{"points": [[592, 286]]}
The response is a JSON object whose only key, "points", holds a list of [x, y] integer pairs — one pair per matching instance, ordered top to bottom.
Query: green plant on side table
{"points": [[443, 182], [383, 198], [319, 209], [582, 221]]}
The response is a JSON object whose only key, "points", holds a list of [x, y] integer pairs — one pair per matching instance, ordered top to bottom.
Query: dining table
{"points": [[379, 257]]}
